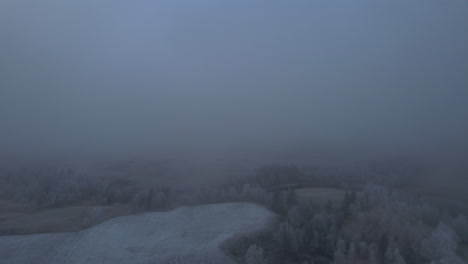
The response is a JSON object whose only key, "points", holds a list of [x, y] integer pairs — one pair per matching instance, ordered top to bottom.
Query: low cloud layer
{"points": [[127, 76]]}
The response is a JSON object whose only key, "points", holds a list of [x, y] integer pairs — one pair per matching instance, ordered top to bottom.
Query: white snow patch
{"points": [[163, 237]]}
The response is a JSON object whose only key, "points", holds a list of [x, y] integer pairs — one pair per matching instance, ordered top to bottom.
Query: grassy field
{"points": [[10, 210], [18, 219]]}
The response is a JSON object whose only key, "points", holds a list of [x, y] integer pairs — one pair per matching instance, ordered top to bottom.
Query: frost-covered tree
{"points": [[254, 194], [291, 197], [153, 198], [278, 203], [329, 207], [429, 215], [295, 217], [319, 223], [460, 225], [290, 237], [314, 242], [441, 243], [341, 245], [363, 249], [352, 251], [373, 253], [254, 255], [389, 255], [339, 257], [397, 258], [196, 259], [453, 259]]}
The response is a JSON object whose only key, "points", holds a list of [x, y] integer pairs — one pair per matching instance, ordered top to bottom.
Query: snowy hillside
{"points": [[164, 237]]}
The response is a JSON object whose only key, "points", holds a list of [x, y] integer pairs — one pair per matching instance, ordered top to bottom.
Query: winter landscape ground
{"points": [[182, 235]]}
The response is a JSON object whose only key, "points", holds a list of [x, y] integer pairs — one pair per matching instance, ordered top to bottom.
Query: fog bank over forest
{"points": [[115, 78], [234, 131]]}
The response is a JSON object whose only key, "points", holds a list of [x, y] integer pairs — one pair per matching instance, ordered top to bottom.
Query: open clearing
{"points": [[21, 220], [161, 237]]}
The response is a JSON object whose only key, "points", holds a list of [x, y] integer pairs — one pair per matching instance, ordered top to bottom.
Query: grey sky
{"points": [[116, 76]]}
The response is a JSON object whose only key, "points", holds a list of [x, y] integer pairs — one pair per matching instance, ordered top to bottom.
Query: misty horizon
{"points": [[114, 78]]}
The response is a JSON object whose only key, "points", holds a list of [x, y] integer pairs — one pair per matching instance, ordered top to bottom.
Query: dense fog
{"points": [[82, 78], [234, 131]]}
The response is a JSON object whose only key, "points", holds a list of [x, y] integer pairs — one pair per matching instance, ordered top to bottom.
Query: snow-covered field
{"points": [[184, 235]]}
